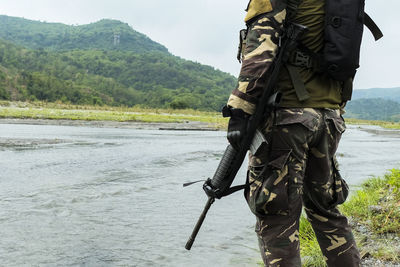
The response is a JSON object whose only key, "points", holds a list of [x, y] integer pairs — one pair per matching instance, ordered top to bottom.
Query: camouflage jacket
{"points": [[265, 20]]}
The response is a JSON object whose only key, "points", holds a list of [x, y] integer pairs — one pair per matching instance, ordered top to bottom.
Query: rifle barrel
{"points": [[196, 229]]}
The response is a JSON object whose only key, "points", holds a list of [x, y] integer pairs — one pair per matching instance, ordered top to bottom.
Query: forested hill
{"points": [[105, 34], [108, 62], [84, 65], [385, 93], [375, 104], [373, 109]]}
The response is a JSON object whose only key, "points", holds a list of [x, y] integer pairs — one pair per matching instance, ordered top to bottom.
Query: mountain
{"points": [[105, 34], [108, 62], [83, 65], [385, 93], [375, 104], [373, 109]]}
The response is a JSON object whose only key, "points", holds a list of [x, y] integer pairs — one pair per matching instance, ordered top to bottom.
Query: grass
{"points": [[60, 111], [384, 124], [377, 205], [376, 209]]}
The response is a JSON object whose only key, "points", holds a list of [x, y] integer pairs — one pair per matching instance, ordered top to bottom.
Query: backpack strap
{"points": [[371, 25], [298, 84], [347, 89]]}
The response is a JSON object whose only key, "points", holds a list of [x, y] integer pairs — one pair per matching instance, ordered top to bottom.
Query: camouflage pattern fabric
{"points": [[257, 7], [265, 20], [258, 51], [299, 167]]}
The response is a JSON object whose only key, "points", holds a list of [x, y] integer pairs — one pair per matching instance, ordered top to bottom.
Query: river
{"points": [[98, 196]]}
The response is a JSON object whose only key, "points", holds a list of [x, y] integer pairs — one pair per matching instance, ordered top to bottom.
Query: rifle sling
{"points": [[371, 25], [236, 188]]}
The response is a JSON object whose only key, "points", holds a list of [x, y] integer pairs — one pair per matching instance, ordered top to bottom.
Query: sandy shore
{"points": [[187, 125]]}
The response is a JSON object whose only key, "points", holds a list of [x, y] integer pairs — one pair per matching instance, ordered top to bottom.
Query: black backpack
{"points": [[344, 25], [343, 33]]}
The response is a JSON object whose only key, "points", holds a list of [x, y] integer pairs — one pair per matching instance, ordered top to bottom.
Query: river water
{"points": [[97, 196]]}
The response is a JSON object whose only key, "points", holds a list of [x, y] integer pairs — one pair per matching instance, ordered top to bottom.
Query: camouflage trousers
{"points": [[298, 167]]}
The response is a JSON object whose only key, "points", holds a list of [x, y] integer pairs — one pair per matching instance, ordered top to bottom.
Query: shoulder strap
{"points": [[371, 25], [298, 83]]}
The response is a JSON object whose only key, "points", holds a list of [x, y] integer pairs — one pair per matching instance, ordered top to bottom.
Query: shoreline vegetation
{"points": [[178, 119], [206, 120], [373, 210], [374, 214]]}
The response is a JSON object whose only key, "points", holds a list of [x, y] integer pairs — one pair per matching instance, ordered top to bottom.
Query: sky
{"points": [[206, 31]]}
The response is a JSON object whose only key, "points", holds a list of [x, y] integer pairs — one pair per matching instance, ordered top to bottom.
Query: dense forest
{"points": [[105, 34], [109, 63], [90, 65]]}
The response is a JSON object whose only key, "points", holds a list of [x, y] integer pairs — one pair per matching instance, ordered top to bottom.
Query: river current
{"points": [[97, 196]]}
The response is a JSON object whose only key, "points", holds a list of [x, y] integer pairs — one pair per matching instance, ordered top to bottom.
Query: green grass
{"points": [[59, 111], [384, 124], [383, 193], [382, 226]]}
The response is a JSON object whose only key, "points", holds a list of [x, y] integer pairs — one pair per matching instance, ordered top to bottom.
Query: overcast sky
{"points": [[206, 31]]}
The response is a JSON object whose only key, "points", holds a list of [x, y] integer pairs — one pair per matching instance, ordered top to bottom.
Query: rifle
{"points": [[232, 159]]}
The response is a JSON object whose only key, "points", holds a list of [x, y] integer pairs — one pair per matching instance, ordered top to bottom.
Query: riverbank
{"points": [[44, 113], [384, 124], [173, 126], [374, 214]]}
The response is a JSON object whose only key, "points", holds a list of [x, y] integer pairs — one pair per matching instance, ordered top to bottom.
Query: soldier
{"points": [[298, 167]]}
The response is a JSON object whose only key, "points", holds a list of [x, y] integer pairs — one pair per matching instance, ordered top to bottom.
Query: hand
{"points": [[237, 126]]}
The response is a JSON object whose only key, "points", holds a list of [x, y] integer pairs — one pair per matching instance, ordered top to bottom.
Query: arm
{"points": [[265, 22]]}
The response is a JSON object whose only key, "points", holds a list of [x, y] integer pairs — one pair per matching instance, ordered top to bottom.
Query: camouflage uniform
{"points": [[298, 166]]}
